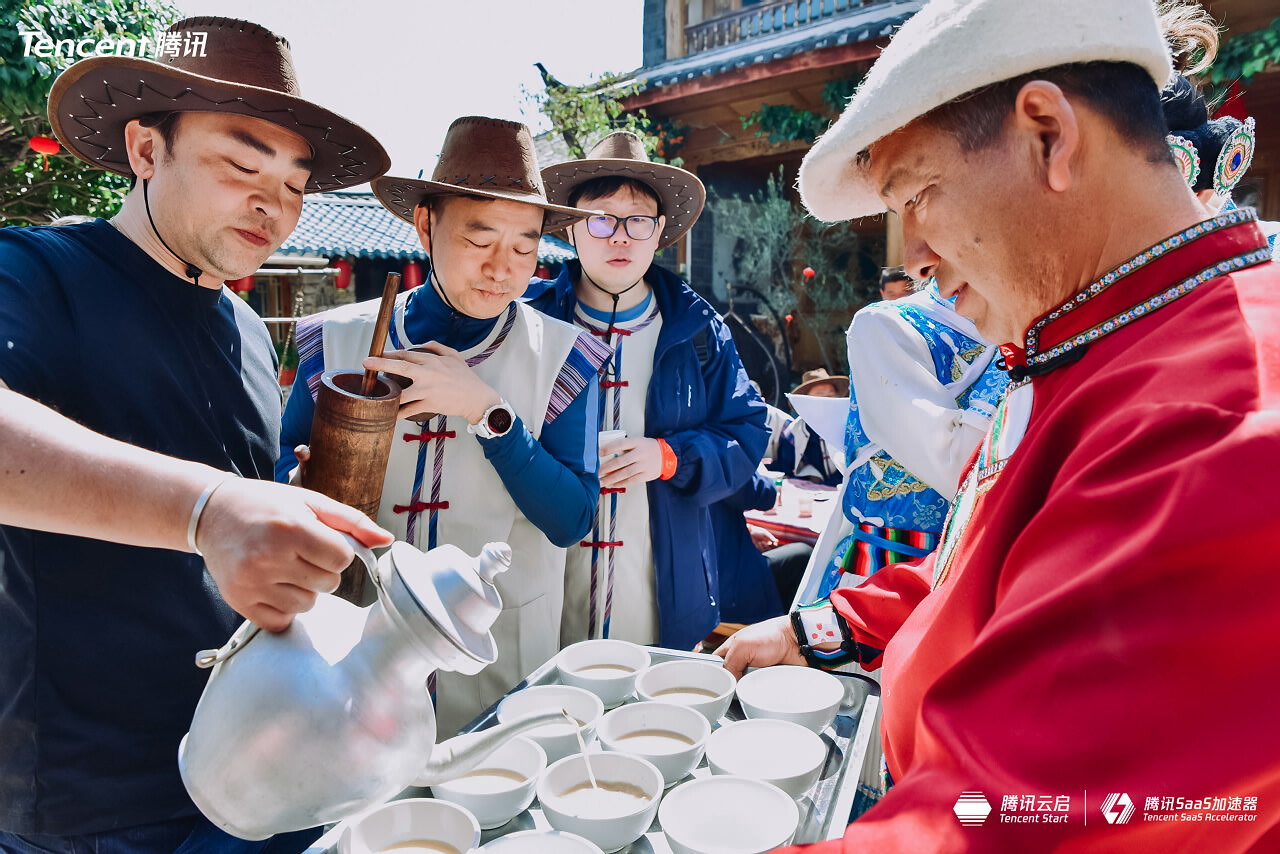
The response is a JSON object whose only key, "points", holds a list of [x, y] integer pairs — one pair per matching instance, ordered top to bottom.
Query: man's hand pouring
{"points": [[272, 548]]}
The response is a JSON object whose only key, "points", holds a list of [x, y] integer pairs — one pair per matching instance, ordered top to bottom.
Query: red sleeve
{"points": [[877, 608], [1126, 645]]}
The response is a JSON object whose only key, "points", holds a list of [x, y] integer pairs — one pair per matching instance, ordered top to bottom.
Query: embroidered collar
{"points": [[1154, 278]]}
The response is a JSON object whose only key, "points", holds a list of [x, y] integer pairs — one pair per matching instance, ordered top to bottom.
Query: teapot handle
{"points": [[367, 557], [207, 658]]}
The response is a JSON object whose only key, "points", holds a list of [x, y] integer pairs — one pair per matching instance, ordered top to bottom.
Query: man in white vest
{"points": [[498, 440]]}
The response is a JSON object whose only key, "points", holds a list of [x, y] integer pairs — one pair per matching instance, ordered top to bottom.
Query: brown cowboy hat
{"points": [[245, 69], [622, 154], [490, 158], [818, 376]]}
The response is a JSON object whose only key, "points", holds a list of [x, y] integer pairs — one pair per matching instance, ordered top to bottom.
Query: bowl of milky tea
{"points": [[605, 667], [701, 685], [582, 709], [671, 736], [502, 787], [608, 798], [413, 826], [541, 842]]}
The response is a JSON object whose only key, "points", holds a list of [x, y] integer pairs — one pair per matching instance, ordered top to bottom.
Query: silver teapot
{"points": [[332, 715]]}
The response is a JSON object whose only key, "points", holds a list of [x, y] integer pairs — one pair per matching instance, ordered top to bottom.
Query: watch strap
{"points": [[482, 428], [669, 460], [820, 623]]}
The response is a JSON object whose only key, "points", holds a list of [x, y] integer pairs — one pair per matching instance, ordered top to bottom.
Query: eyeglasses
{"points": [[605, 226]]}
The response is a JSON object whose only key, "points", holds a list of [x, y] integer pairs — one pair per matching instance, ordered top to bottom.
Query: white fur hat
{"points": [[951, 47]]}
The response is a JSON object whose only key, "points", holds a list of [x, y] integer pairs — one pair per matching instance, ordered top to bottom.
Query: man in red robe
{"points": [[1091, 654]]}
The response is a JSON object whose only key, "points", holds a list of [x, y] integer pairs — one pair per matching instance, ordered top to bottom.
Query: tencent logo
{"points": [[972, 808], [1117, 808]]}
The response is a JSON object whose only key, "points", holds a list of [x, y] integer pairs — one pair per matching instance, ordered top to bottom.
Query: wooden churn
{"points": [[351, 436]]}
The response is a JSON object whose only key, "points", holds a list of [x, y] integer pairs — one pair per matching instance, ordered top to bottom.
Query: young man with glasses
{"points": [[694, 427]]}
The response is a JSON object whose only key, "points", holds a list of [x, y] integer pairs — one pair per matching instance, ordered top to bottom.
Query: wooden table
{"points": [[786, 523]]}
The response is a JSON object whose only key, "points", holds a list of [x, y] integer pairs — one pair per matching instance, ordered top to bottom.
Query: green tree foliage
{"points": [[1246, 54], [584, 114], [783, 123], [30, 192], [774, 241]]}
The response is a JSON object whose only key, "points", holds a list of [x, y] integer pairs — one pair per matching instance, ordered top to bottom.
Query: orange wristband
{"points": [[669, 460]]}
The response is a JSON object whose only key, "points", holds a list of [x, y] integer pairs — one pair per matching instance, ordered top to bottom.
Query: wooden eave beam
{"points": [[821, 58]]}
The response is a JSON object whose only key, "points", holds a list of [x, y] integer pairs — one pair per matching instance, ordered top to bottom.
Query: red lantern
{"points": [[44, 146], [808, 272], [412, 275], [343, 278], [241, 286]]}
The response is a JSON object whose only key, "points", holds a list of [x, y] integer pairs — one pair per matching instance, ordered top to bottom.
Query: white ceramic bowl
{"points": [[606, 668], [701, 685], [793, 693], [672, 737], [557, 740], [778, 752], [502, 787], [727, 815], [609, 818], [414, 820], [541, 842]]}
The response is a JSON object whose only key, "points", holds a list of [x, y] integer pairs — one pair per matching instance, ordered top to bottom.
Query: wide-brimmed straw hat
{"points": [[953, 47], [245, 69], [622, 154], [490, 158], [818, 376]]}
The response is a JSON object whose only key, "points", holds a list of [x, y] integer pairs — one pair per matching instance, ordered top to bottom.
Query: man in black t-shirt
{"points": [[134, 387]]}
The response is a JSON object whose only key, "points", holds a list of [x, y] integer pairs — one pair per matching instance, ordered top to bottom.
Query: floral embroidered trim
{"points": [[1234, 159], [1221, 221], [1124, 318]]}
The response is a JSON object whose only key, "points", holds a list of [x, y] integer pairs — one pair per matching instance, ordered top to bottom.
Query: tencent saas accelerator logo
{"points": [[972, 808], [1117, 808]]}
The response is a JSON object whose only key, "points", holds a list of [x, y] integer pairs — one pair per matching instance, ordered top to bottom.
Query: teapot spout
{"points": [[462, 753]]}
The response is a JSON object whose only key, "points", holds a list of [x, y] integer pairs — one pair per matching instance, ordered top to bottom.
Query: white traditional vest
{"points": [[523, 369], [620, 591]]}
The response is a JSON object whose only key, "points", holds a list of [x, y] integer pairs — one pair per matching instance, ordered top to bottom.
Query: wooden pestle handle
{"points": [[380, 328]]}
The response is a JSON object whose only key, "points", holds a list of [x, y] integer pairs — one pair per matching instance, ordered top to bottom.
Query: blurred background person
{"points": [[895, 283]]}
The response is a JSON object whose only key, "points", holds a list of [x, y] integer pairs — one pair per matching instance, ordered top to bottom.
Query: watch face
{"points": [[499, 421]]}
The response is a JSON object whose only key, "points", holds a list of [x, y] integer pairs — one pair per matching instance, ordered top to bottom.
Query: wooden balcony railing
{"points": [[763, 19]]}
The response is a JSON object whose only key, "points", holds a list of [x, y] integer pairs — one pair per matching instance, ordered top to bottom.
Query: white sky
{"points": [[405, 69]]}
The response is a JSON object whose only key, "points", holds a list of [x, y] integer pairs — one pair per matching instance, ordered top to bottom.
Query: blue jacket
{"points": [[714, 421], [748, 593]]}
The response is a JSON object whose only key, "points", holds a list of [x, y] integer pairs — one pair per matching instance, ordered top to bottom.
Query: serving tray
{"points": [[841, 794]]}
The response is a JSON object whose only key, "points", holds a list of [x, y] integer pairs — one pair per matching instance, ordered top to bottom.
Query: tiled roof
{"points": [[863, 24], [550, 148], [355, 225], [553, 250]]}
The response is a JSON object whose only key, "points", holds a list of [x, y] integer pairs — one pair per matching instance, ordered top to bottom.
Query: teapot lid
{"points": [[440, 593]]}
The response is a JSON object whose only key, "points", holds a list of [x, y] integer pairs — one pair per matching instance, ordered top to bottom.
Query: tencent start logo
{"points": [[972, 808], [1117, 808]]}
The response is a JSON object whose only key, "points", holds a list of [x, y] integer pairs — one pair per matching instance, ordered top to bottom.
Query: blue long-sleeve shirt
{"points": [[552, 479]]}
